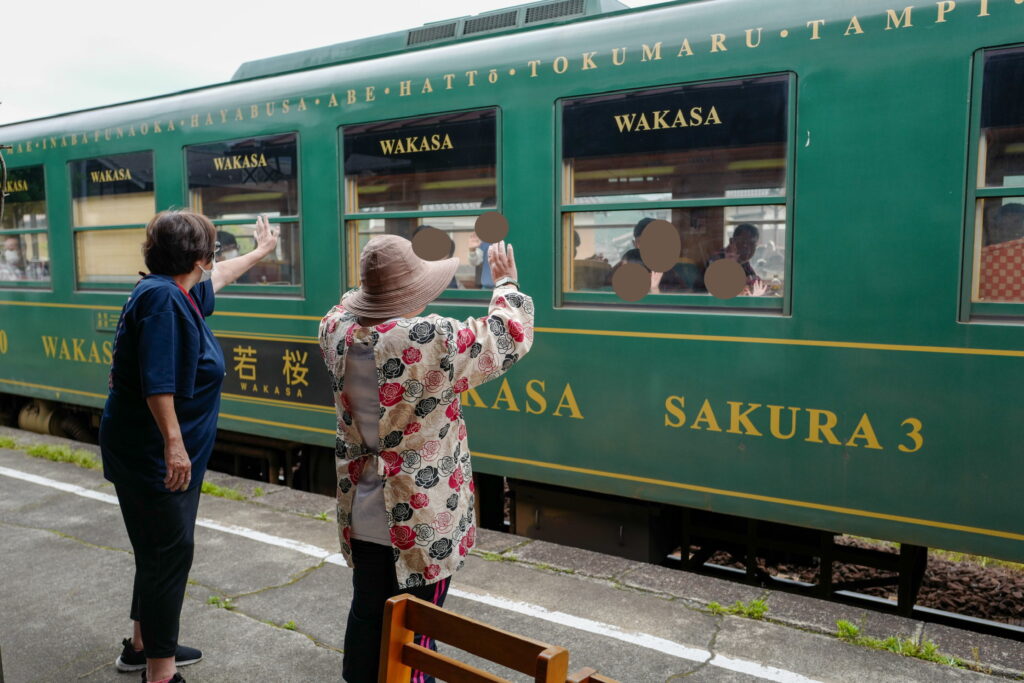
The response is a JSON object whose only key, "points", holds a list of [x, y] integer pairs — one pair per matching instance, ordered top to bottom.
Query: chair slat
{"points": [[515, 652], [443, 667]]}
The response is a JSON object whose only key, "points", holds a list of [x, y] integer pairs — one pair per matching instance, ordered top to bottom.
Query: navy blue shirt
{"points": [[162, 346]]}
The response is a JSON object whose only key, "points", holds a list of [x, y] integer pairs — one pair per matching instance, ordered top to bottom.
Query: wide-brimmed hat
{"points": [[396, 281]]}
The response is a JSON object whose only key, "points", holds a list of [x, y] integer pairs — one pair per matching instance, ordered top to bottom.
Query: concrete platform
{"points": [[66, 574]]}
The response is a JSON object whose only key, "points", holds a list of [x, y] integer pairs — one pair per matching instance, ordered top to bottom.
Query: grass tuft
{"points": [[7, 442], [80, 457], [222, 491], [257, 492], [321, 516], [223, 603], [755, 609], [288, 625], [926, 650]]}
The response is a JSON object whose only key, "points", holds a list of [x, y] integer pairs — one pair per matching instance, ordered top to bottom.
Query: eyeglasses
{"points": [[216, 250]]}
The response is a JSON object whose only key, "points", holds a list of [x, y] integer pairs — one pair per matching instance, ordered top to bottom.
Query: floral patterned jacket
{"points": [[423, 365]]}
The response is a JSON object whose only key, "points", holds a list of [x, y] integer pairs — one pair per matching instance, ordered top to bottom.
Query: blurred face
{"points": [[745, 245], [12, 250]]}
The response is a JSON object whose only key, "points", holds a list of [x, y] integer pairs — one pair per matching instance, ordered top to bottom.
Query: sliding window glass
{"points": [[712, 159], [435, 171], [234, 182], [111, 201], [997, 243], [26, 251]]}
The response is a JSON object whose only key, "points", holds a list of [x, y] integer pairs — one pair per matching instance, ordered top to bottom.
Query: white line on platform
{"points": [[644, 640]]}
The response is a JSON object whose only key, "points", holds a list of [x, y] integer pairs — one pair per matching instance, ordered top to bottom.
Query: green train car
{"points": [[867, 381]]}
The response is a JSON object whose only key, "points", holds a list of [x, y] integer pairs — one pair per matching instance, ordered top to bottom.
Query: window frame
{"points": [[350, 238], [79, 284], [43, 285], [247, 289], [675, 303], [971, 310]]}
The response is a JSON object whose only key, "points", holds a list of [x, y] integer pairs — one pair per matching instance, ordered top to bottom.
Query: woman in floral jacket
{"points": [[405, 483]]}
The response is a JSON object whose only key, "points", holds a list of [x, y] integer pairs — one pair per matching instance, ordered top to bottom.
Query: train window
{"points": [[686, 142], [1001, 143], [711, 159], [432, 163], [435, 171], [232, 183], [113, 190], [112, 200], [998, 244], [465, 245], [26, 253], [109, 256]]}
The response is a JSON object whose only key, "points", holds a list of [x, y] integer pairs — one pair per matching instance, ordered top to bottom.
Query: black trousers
{"points": [[161, 527], [373, 582]]}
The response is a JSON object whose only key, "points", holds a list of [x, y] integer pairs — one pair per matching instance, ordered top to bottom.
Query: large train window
{"points": [[711, 158], [435, 171], [232, 183], [112, 200], [998, 244], [26, 253]]}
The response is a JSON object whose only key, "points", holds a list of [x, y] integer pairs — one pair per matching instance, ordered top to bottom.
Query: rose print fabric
{"points": [[423, 365]]}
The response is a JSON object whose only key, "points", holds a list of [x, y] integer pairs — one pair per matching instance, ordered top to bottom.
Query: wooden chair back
{"points": [[405, 616]]}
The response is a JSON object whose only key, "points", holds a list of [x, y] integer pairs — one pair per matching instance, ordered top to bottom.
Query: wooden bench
{"points": [[405, 616]]}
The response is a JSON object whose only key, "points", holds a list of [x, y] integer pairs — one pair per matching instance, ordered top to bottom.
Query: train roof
{"points": [[496, 22]]}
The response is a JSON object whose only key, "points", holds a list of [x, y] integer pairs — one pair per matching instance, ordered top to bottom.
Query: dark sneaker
{"points": [[133, 660], [175, 679]]}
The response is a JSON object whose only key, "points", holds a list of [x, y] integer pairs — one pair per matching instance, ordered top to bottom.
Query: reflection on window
{"points": [[708, 140], [1001, 146], [434, 163], [245, 178], [235, 181], [113, 190], [25, 205], [754, 236], [109, 255], [25, 258], [283, 266], [1000, 266], [473, 271]]}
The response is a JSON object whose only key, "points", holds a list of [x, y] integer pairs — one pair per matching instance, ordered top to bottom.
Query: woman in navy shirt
{"points": [[160, 422]]}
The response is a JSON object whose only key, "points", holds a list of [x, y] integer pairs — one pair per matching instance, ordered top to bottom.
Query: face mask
{"points": [[229, 254], [12, 257], [207, 274]]}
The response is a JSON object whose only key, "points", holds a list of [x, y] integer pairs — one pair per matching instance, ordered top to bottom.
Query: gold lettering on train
{"points": [[944, 8], [895, 18], [892, 20], [651, 54], [665, 119], [412, 144], [238, 162], [110, 175], [16, 186], [77, 350], [535, 402], [815, 425]]}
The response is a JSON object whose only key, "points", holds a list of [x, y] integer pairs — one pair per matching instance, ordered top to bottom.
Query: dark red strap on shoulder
{"points": [[190, 299]]}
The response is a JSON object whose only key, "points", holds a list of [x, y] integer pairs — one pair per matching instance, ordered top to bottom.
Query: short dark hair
{"points": [[640, 226], [748, 228], [226, 239], [175, 240]]}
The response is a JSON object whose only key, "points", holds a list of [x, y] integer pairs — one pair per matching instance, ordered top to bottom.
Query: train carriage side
{"points": [[869, 389]]}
